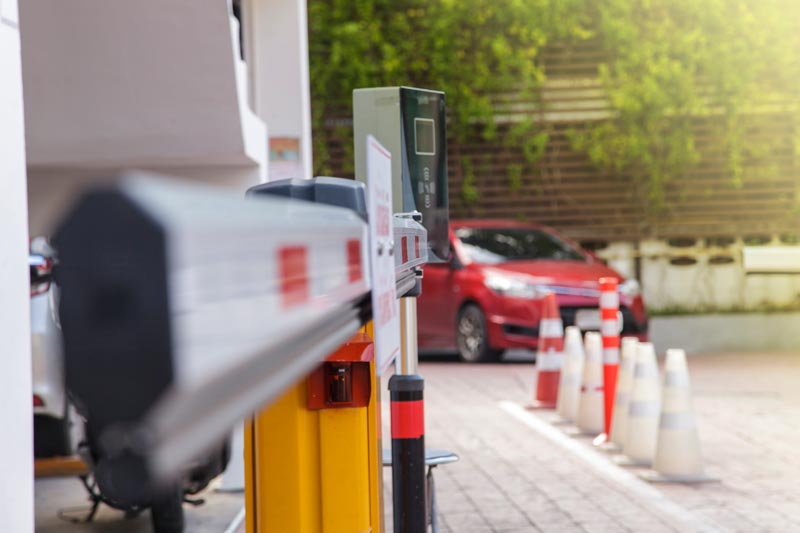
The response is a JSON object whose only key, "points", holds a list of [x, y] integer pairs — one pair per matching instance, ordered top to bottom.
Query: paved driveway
{"points": [[520, 473], [59, 500]]}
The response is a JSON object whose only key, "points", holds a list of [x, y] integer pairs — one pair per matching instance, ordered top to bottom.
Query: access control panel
{"points": [[410, 123]]}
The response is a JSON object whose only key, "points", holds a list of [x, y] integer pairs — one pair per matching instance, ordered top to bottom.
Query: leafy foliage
{"points": [[469, 49], [670, 63]]}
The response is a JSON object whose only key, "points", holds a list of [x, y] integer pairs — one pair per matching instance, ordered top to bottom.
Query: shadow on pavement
{"points": [[510, 357]]}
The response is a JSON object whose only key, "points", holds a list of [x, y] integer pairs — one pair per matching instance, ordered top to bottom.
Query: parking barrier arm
{"points": [[186, 308]]}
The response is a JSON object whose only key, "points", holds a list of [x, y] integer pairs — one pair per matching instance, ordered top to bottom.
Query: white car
{"points": [[55, 425]]}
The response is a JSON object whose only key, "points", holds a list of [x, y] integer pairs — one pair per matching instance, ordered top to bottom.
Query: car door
{"points": [[436, 306]]}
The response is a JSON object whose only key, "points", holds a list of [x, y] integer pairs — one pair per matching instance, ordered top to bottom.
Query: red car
{"points": [[487, 297]]}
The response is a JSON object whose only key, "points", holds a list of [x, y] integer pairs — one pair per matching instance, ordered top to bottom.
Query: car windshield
{"points": [[498, 245]]}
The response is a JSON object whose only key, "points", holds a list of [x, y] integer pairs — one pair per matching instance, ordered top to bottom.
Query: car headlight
{"points": [[508, 286], [630, 288]]}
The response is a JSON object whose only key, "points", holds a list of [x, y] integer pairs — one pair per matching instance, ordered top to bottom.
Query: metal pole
{"points": [[409, 356], [408, 429]]}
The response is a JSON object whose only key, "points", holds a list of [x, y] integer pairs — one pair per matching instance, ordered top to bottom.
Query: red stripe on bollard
{"points": [[408, 419], [408, 453]]}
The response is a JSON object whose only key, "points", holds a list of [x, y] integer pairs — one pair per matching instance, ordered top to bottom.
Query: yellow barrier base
{"points": [[314, 471]]}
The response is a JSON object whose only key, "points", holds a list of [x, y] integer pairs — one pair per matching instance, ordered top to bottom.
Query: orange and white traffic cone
{"points": [[609, 316], [549, 354], [569, 385], [590, 407], [643, 410], [619, 422], [678, 457]]}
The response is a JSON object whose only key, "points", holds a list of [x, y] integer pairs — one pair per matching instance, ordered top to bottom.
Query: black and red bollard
{"points": [[408, 453]]}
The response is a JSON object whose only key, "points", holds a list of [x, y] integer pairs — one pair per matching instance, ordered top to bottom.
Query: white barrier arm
{"points": [[187, 308]]}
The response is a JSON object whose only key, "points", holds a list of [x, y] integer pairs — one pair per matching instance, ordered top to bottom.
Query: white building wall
{"points": [[276, 50], [113, 84], [149, 85], [51, 191], [16, 408]]}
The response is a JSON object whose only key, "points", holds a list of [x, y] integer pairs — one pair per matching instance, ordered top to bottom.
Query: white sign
{"points": [[385, 307]]}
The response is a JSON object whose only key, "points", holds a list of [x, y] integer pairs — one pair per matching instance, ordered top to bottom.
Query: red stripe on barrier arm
{"points": [[404, 248], [354, 260], [293, 271], [408, 419]]}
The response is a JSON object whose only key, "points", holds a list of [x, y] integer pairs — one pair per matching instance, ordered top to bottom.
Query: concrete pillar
{"points": [[276, 50], [16, 407]]}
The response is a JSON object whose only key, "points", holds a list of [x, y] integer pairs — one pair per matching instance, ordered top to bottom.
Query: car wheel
{"points": [[472, 336]]}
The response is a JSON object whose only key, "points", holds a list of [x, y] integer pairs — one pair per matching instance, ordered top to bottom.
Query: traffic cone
{"points": [[609, 315], [549, 353], [569, 385], [590, 406], [643, 410], [619, 422], [678, 457]]}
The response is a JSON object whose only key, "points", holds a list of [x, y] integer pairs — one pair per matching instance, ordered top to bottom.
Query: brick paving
{"points": [[513, 479], [66, 496]]}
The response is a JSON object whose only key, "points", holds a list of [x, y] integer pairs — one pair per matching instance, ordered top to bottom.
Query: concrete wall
{"points": [[276, 49], [134, 83], [149, 85], [702, 277], [747, 332], [16, 407]]}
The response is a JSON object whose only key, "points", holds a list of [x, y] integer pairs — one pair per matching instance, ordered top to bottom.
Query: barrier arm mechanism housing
{"points": [[186, 308]]}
